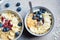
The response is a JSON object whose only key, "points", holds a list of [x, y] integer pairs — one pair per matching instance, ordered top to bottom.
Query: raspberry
{"points": [[2, 19]]}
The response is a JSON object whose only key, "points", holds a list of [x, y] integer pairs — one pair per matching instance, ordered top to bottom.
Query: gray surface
{"points": [[53, 5]]}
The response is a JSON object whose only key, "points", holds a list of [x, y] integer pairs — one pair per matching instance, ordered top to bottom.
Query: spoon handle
{"points": [[30, 4]]}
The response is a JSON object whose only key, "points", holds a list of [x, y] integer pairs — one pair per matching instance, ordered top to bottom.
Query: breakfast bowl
{"points": [[40, 22], [11, 25]]}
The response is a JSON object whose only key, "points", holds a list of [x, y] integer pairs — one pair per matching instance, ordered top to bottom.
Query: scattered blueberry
{"points": [[18, 4], [7, 5], [18, 9], [42, 10], [20, 24], [1, 25], [5, 29], [17, 34]]}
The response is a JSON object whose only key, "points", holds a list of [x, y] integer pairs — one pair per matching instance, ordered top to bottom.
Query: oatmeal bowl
{"points": [[40, 22], [11, 25]]}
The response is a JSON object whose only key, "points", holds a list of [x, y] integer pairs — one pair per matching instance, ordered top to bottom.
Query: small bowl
{"points": [[34, 8], [19, 17]]}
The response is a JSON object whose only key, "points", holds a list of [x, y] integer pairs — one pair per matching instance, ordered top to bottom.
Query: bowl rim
{"points": [[19, 17], [34, 33]]}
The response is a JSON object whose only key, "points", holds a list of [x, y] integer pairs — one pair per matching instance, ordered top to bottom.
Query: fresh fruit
{"points": [[18, 4], [7, 5], [18, 9], [42, 10], [34, 13], [37, 15], [34, 17], [2, 19], [39, 19], [1, 24], [20, 24], [5, 29], [17, 34]]}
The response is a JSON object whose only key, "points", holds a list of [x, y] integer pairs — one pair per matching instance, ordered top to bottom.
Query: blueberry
{"points": [[18, 4], [7, 5], [18, 9], [42, 10], [34, 13], [37, 15], [41, 16], [34, 17], [39, 19], [20, 24], [1, 25], [5, 29], [17, 34]]}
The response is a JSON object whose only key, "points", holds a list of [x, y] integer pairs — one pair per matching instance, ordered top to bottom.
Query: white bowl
{"points": [[34, 8], [19, 17]]}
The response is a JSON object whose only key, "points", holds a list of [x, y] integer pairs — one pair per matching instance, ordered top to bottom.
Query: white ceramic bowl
{"points": [[34, 8], [19, 17]]}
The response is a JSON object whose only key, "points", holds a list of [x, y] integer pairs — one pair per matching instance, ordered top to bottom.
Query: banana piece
{"points": [[15, 29], [11, 33], [4, 37], [11, 37]]}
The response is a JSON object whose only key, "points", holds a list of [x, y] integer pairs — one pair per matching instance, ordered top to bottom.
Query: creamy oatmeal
{"points": [[39, 22], [10, 25]]}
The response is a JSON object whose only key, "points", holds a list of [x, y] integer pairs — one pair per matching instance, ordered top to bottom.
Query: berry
{"points": [[18, 4], [7, 5], [18, 9], [42, 10], [34, 13], [37, 15], [34, 17], [2, 19], [39, 19], [43, 20], [1, 24], [20, 24], [5, 25], [10, 27], [5, 29], [17, 34]]}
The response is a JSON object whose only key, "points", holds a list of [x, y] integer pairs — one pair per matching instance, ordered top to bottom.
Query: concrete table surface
{"points": [[52, 5]]}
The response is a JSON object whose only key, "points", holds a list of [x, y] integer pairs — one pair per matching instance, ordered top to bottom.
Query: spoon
{"points": [[30, 5]]}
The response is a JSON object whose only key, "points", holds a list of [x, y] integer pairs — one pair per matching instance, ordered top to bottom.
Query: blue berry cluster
{"points": [[7, 5], [38, 15], [1, 25], [5, 29]]}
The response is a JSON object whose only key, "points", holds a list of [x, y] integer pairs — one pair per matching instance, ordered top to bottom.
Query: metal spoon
{"points": [[30, 5]]}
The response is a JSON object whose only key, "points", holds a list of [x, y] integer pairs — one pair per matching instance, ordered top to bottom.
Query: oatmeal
{"points": [[39, 22], [10, 25]]}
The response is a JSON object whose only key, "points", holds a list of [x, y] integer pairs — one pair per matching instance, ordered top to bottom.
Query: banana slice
{"points": [[15, 29], [12, 33], [4, 37], [11, 37]]}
